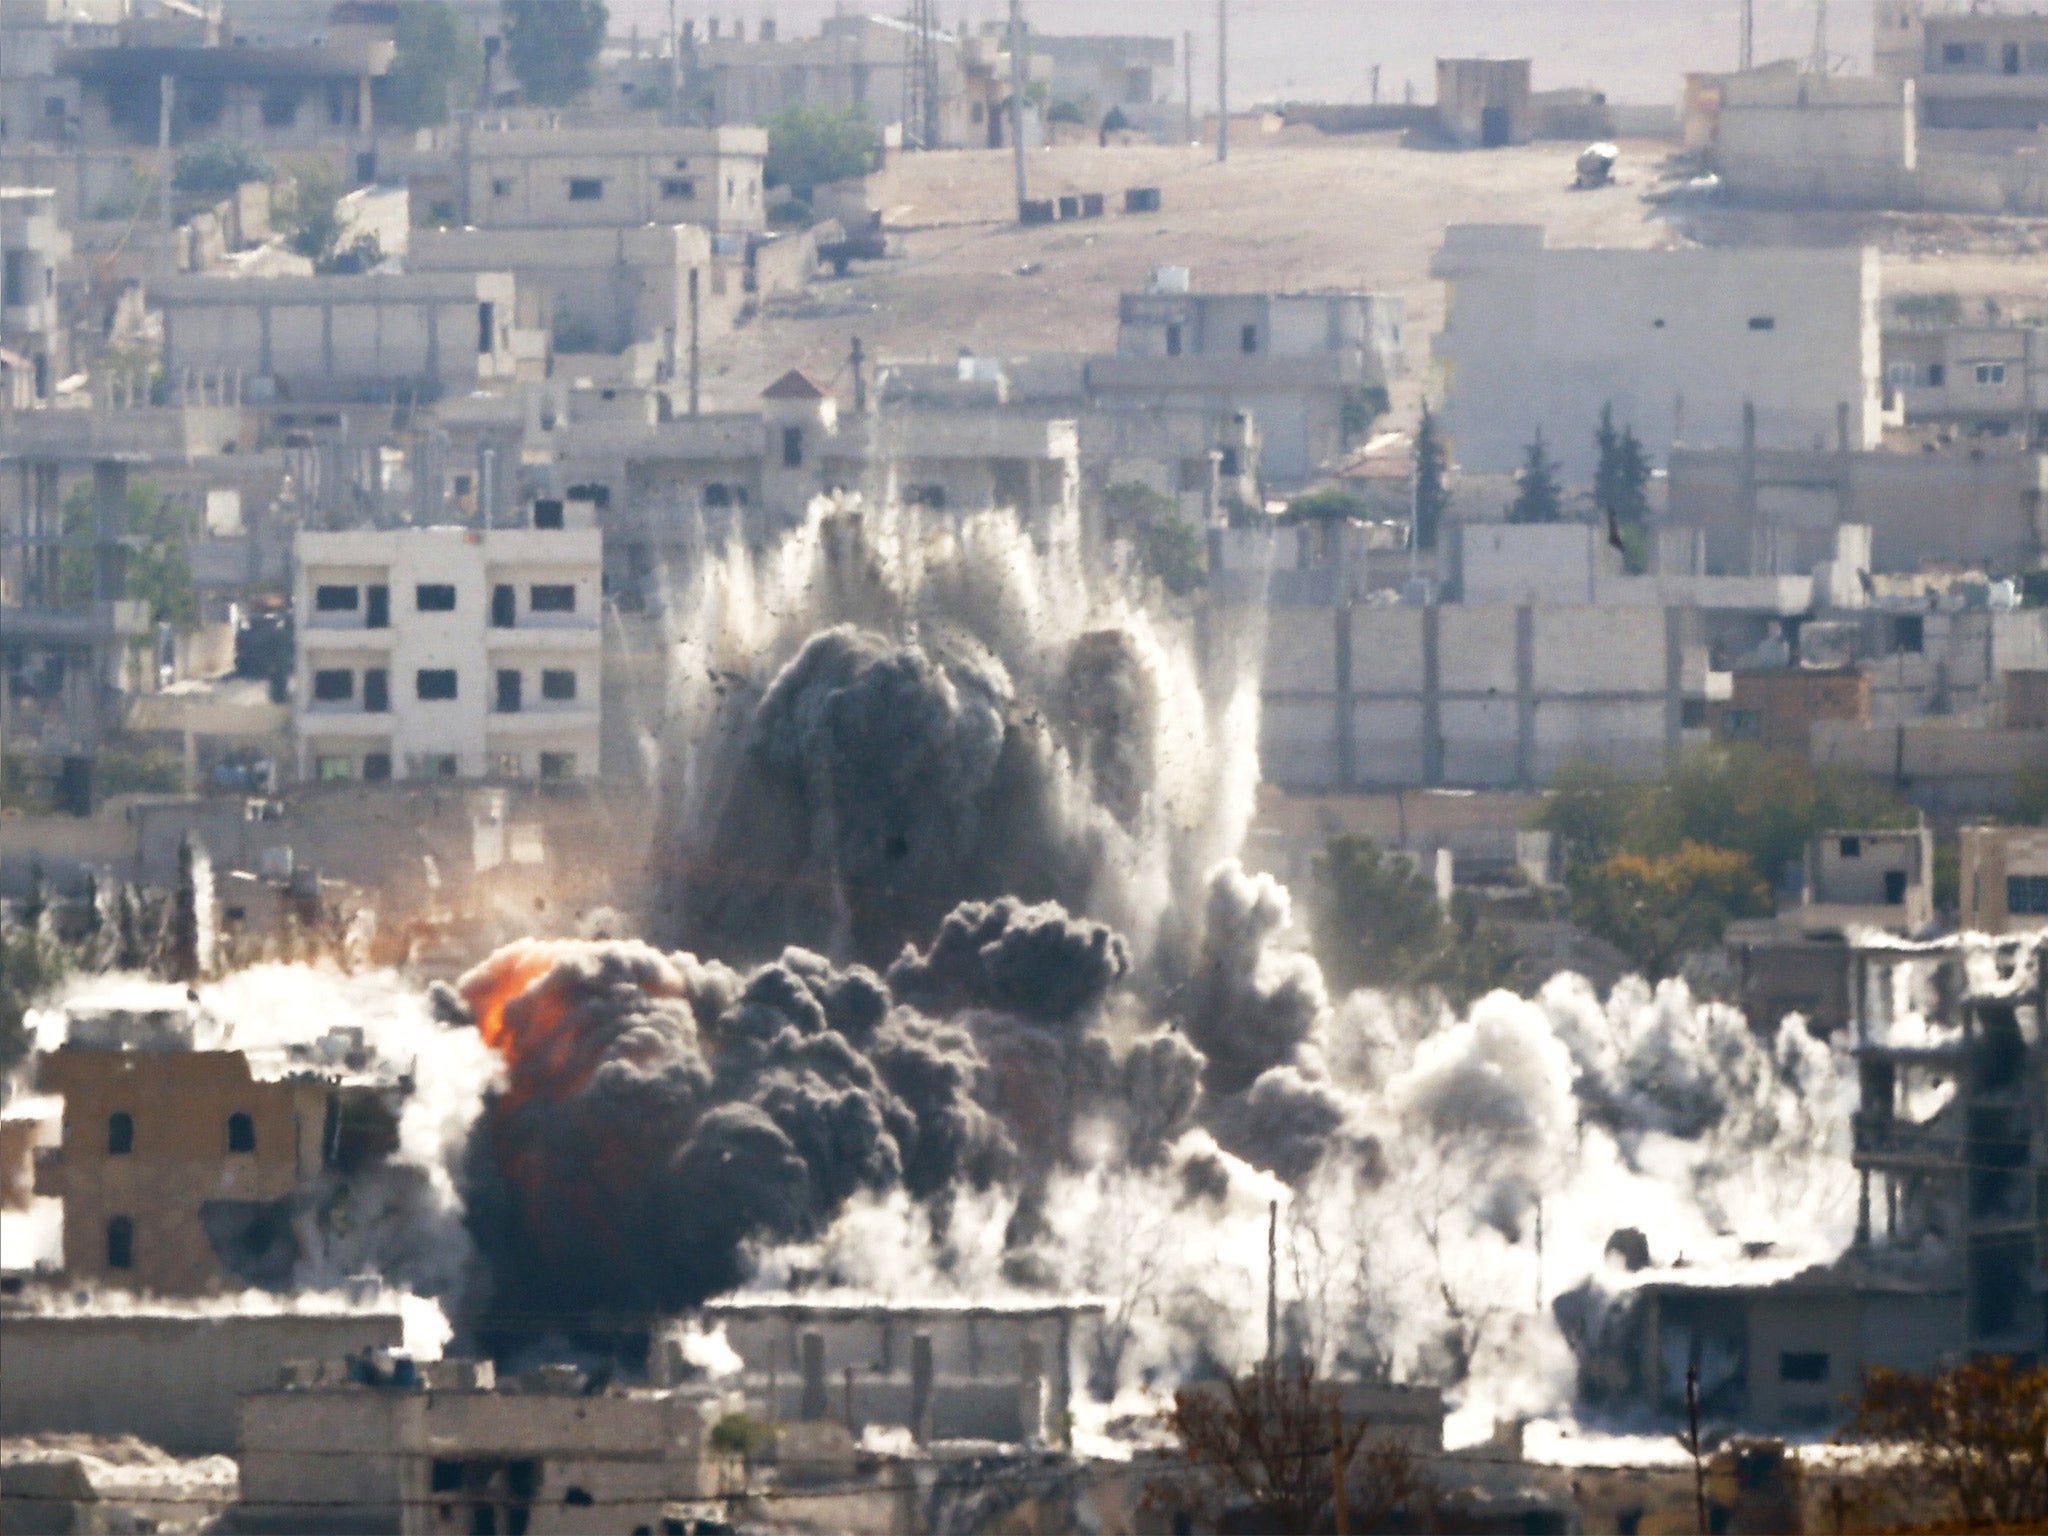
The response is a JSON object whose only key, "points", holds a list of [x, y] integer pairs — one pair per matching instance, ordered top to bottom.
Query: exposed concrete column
{"points": [[263, 340], [327, 340], [48, 522], [109, 523], [1675, 628], [1525, 696], [1432, 697], [1347, 766], [921, 1379], [1031, 1390], [812, 1406]]}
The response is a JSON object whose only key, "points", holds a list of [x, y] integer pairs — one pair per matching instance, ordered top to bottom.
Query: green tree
{"points": [[552, 46], [439, 66], [810, 146], [218, 166], [1363, 406], [1621, 485], [1538, 498], [1431, 499], [1133, 504], [1327, 506], [1173, 550], [159, 571], [2030, 797], [1658, 910], [1375, 922], [31, 965]]}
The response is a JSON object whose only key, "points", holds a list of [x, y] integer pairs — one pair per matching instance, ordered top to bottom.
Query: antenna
{"points": [[1745, 59], [1819, 63], [921, 76]]}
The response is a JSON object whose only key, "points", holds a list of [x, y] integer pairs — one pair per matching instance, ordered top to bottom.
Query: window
{"points": [[1965, 55], [2009, 58], [53, 106], [280, 108], [501, 186], [586, 189], [678, 189], [14, 282], [1763, 322], [486, 328], [1248, 340], [1173, 341], [1990, 373], [1901, 375], [1937, 375], [792, 447], [1227, 464], [716, 495], [599, 496], [933, 496], [547, 513], [434, 597], [554, 597], [336, 599], [504, 606], [377, 613], [1909, 633], [435, 684], [334, 685], [559, 686], [377, 691], [509, 691], [1692, 714], [438, 765], [507, 765], [558, 765], [377, 767], [332, 770], [1852, 848], [1895, 887], [2026, 895], [241, 1132], [120, 1133], [120, 1243], [1803, 1365]]}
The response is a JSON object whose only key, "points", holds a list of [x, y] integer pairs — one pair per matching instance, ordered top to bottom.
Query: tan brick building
{"points": [[1779, 707]]}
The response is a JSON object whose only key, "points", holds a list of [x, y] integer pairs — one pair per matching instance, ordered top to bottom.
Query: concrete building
{"points": [[1984, 70], [1135, 76], [1484, 103], [1784, 135], [512, 174], [33, 245], [592, 290], [375, 337], [1684, 345], [1301, 365], [1987, 380], [448, 653], [1778, 707], [1879, 879], [2004, 881], [948, 1372], [171, 1375], [391, 1444]]}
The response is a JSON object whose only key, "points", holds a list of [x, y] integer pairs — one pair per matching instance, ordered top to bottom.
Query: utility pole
{"points": [[1745, 57], [1819, 63], [921, 76], [1187, 76], [1222, 81], [166, 85], [1017, 100], [696, 333], [860, 378], [1272, 1283], [1692, 1440], [1338, 1496]]}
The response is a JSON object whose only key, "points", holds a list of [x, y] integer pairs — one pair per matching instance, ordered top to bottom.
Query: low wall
{"points": [[1942, 769], [171, 1380]]}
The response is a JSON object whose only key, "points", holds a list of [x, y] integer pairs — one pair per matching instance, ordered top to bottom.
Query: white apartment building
{"points": [[1679, 342], [448, 653]]}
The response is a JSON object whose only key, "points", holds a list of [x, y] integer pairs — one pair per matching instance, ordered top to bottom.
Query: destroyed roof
{"points": [[796, 385], [843, 1304]]}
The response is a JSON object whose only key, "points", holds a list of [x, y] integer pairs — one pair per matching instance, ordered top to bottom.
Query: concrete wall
{"points": [[1484, 101], [530, 178], [1676, 341], [483, 739], [1942, 767], [1994, 862], [171, 1380]]}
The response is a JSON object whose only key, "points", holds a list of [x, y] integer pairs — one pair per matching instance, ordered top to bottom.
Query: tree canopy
{"points": [[552, 46], [438, 68], [811, 146], [1538, 497], [1431, 499], [158, 570], [1375, 922]]}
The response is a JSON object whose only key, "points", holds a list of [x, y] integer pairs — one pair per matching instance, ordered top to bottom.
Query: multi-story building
{"points": [[1983, 69], [517, 173], [32, 246], [1683, 344], [1982, 378], [448, 653], [2004, 887]]}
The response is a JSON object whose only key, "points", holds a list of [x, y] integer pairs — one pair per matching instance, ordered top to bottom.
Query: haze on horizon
{"points": [[1324, 50]]}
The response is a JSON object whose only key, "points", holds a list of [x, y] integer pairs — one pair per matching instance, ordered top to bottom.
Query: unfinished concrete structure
{"points": [[1484, 103], [524, 172], [33, 245], [372, 337], [1686, 346], [1987, 380], [445, 653], [1880, 879], [2004, 880], [998, 1371], [389, 1444]]}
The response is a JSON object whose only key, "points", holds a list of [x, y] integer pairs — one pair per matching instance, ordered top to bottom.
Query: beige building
{"points": [[1484, 103], [544, 176], [33, 245], [342, 338], [1983, 378], [448, 653], [1869, 879], [2004, 879]]}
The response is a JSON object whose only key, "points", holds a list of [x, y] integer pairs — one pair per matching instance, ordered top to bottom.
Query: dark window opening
{"points": [[280, 108], [501, 186], [678, 188], [586, 189], [1763, 322], [486, 328], [1248, 339], [1173, 341], [1937, 375], [792, 447], [1229, 465], [716, 495], [599, 496], [547, 513], [435, 597], [554, 597], [336, 599], [504, 606], [378, 615], [1909, 633], [435, 684], [333, 686], [559, 686], [377, 691], [510, 692], [1692, 714], [558, 765], [377, 767], [1852, 848], [1894, 887], [2026, 895], [241, 1132], [120, 1133], [120, 1243], [1803, 1365], [446, 1476], [579, 1498], [483, 1520]]}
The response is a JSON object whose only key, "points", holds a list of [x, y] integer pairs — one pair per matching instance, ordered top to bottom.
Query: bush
{"points": [[1066, 112], [810, 146], [217, 167], [790, 213], [1331, 506], [1174, 551], [154, 772], [740, 1434]]}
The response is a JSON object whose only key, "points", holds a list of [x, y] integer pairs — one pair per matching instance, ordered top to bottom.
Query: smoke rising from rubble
{"points": [[960, 991]]}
